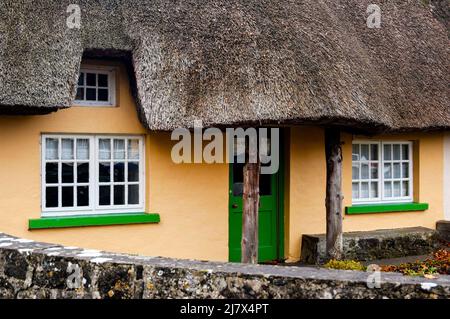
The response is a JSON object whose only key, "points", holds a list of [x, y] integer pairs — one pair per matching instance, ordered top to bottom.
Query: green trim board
{"points": [[385, 208], [92, 220]]}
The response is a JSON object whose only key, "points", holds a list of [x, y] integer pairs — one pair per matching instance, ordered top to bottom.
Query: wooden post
{"points": [[333, 201], [249, 244]]}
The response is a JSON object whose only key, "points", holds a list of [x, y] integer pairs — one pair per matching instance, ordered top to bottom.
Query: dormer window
{"points": [[96, 86]]}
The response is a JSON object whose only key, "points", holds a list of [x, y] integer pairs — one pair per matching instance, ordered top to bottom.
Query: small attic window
{"points": [[96, 86]]}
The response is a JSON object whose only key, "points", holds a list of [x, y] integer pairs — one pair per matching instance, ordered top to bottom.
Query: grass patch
{"points": [[344, 265]]}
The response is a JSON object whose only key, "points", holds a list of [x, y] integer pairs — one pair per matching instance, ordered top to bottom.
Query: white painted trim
{"points": [[100, 69], [447, 176], [93, 183], [381, 199]]}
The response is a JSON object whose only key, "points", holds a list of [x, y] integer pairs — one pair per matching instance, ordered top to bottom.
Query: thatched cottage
{"points": [[88, 100]]}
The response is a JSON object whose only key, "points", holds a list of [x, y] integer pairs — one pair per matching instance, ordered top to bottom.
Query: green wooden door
{"points": [[270, 215]]}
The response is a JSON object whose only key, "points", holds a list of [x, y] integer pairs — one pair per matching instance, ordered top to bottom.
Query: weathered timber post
{"points": [[333, 201], [249, 243]]}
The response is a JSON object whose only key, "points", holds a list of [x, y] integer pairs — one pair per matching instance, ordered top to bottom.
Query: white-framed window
{"points": [[96, 86], [382, 172], [92, 174]]}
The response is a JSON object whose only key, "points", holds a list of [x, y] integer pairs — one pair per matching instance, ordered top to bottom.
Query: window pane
{"points": [[81, 79], [91, 79], [103, 80], [80, 94], [91, 94], [103, 95], [104, 146], [51, 148], [67, 149], [82, 149], [119, 149], [133, 149], [396, 151], [355, 152], [364, 152], [374, 152], [387, 152], [405, 152], [74, 170], [396, 170], [405, 170], [133, 171], [355, 171], [364, 171], [374, 171], [387, 171], [51, 172], [67, 172], [83, 172], [104, 172], [119, 172], [238, 178], [265, 185], [405, 188], [238, 189], [387, 189], [396, 189], [355, 190], [364, 190], [373, 190], [133, 194], [105, 195], [119, 195], [67, 196], [83, 196], [51, 197]]}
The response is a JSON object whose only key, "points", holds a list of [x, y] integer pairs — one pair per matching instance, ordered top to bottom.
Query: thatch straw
{"points": [[239, 61]]}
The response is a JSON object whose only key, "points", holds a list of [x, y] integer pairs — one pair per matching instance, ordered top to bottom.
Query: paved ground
{"points": [[397, 261], [380, 262]]}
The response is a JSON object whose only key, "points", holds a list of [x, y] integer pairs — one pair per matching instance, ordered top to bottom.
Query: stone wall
{"points": [[443, 229], [373, 245], [30, 269]]}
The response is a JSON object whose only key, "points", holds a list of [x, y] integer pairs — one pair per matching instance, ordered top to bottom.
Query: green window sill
{"points": [[385, 208], [92, 220]]}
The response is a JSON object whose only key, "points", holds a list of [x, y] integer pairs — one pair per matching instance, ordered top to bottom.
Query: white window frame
{"points": [[99, 69], [381, 161], [94, 208]]}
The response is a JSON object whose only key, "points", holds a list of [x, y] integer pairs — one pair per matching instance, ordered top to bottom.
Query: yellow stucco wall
{"points": [[308, 176], [192, 199]]}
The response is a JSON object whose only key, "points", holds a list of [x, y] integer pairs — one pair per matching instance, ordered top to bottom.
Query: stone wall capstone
{"points": [[30, 269]]}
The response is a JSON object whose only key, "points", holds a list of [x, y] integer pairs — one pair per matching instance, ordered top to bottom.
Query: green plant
{"points": [[439, 263], [345, 265]]}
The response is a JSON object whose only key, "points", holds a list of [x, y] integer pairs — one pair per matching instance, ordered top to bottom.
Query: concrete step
{"points": [[373, 245]]}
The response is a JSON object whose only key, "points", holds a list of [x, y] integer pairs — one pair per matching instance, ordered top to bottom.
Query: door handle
{"points": [[234, 206]]}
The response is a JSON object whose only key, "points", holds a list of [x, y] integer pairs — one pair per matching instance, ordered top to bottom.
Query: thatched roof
{"points": [[238, 61]]}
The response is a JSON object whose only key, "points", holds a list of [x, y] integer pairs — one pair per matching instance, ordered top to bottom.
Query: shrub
{"points": [[345, 265]]}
